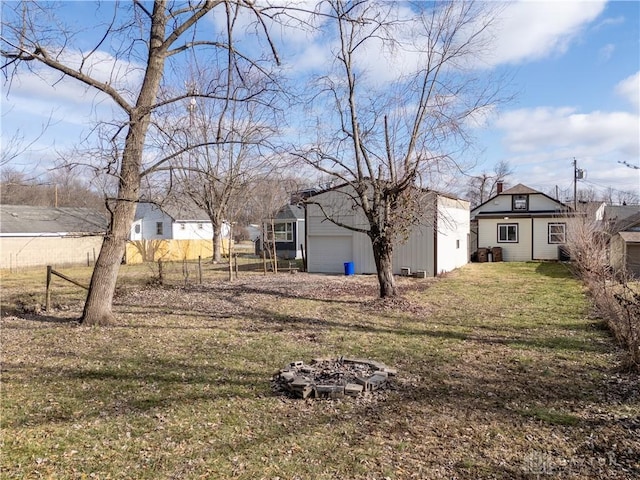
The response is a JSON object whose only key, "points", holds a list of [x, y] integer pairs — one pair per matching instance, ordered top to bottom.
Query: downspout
{"points": [[435, 238], [532, 242], [305, 254]]}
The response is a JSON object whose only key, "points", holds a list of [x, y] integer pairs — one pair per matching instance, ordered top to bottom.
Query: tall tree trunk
{"points": [[217, 244], [383, 255], [97, 308]]}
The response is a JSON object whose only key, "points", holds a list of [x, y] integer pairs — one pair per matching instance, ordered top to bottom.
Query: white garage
{"points": [[438, 244]]}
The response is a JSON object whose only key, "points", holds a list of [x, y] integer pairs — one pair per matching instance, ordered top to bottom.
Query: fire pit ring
{"points": [[333, 378]]}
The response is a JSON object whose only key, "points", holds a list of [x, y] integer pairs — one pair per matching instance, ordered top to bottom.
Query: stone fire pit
{"points": [[333, 378]]}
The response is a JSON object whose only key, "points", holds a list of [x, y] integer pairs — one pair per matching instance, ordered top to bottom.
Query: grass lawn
{"points": [[502, 373]]}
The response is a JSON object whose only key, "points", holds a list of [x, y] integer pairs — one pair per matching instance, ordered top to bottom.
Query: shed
{"points": [[437, 243], [624, 247]]}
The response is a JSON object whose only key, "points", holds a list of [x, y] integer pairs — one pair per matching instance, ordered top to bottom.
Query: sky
{"points": [[574, 70]]}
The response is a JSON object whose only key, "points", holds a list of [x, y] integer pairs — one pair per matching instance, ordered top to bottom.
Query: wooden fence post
{"points": [[235, 260], [47, 301]]}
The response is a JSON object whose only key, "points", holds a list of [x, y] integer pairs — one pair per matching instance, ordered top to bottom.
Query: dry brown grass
{"points": [[502, 374]]}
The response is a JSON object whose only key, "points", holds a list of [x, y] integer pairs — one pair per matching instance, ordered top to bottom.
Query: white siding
{"points": [[539, 202], [501, 203], [147, 217], [192, 231], [453, 234], [329, 246], [543, 250], [417, 252], [511, 252]]}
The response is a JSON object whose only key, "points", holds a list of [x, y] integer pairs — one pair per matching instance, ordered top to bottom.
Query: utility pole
{"points": [[578, 174]]}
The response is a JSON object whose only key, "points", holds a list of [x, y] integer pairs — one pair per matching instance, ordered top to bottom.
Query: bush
{"points": [[615, 295]]}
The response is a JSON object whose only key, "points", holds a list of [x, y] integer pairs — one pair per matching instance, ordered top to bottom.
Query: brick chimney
{"points": [[499, 186]]}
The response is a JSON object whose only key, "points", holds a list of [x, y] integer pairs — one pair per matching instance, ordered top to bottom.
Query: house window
{"points": [[520, 202], [183, 226], [199, 226], [137, 228], [159, 228], [284, 232], [557, 232], [508, 233], [457, 244]]}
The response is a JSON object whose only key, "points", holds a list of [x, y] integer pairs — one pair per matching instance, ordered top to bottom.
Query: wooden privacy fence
{"points": [[50, 272]]}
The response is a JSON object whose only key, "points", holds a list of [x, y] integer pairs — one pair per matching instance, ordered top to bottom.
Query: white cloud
{"points": [[610, 21], [532, 30], [524, 31], [606, 52], [629, 88], [50, 89], [547, 128], [542, 141]]}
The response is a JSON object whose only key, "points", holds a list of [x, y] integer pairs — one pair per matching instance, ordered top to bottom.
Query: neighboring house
{"points": [[610, 215], [172, 222], [526, 224], [288, 229], [172, 232], [39, 236], [439, 243], [624, 246]]}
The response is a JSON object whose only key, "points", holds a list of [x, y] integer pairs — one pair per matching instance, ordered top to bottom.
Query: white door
{"points": [[328, 254]]}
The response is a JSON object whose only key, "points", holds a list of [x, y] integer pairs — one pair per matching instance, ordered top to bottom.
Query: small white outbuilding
{"points": [[437, 244]]}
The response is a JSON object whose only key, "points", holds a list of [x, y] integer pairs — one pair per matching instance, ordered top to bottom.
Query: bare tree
{"points": [[144, 43], [385, 139], [17, 144], [231, 145], [485, 185], [56, 188]]}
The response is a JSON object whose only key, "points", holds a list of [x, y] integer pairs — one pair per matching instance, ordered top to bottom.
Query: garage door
{"points": [[327, 254]]}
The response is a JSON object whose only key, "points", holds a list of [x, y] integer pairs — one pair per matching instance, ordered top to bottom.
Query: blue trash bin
{"points": [[349, 268]]}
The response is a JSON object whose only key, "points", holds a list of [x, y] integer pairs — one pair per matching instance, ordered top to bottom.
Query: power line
{"points": [[627, 164]]}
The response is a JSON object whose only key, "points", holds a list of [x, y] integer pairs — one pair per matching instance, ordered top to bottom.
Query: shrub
{"points": [[616, 297]]}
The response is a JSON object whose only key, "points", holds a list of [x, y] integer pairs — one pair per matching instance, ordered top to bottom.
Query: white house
{"points": [[172, 222], [526, 224], [439, 243]]}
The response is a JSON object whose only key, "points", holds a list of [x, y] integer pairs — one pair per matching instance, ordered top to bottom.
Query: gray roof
{"points": [[520, 189], [179, 211], [290, 212], [617, 213], [35, 220], [630, 223]]}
